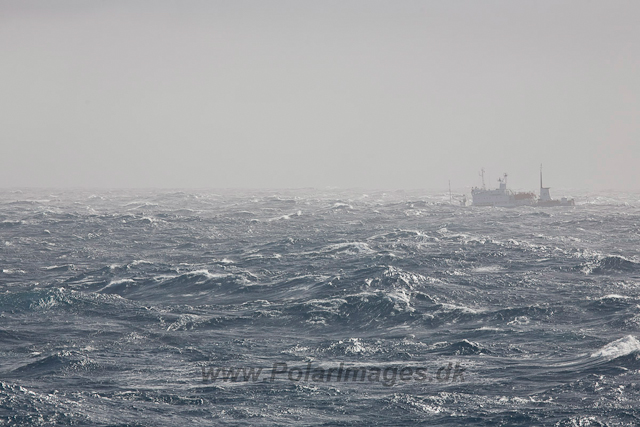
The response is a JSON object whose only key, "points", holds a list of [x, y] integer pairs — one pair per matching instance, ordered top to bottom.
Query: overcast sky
{"points": [[374, 94]]}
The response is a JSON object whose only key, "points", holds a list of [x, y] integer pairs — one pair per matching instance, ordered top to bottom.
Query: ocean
{"points": [[316, 307]]}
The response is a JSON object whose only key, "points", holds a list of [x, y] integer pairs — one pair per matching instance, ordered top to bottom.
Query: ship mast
{"points": [[482, 175], [545, 196]]}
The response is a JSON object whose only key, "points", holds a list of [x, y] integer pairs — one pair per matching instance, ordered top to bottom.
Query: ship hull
{"points": [[501, 198]]}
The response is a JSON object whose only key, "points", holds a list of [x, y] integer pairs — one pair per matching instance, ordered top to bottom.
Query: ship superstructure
{"points": [[501, 196]]}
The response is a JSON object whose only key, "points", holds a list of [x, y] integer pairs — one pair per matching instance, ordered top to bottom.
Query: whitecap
{"points": [[341, 206], [349, 247], [488, 269], [13, 271], [204, 273], [120, 281], [614, 296], [462, 308], [618, 348]]}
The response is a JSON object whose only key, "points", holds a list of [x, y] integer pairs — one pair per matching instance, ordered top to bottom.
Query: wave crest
{"points": [[619, 348]]}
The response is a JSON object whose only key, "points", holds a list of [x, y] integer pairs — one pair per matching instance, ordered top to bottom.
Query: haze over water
{"points": [[286, 94], [236, 213]]}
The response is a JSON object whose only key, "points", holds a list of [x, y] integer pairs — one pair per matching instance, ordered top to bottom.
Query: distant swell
{"points": [[610, 264]]}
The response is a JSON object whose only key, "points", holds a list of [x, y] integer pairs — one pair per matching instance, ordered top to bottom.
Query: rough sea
{"points": [[314, 307]]}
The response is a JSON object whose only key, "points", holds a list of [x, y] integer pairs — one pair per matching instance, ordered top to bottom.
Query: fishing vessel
{"points": [[501, 196]]}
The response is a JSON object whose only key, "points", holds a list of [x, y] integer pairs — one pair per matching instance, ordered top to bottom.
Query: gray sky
{"points": [[393, 94]]}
